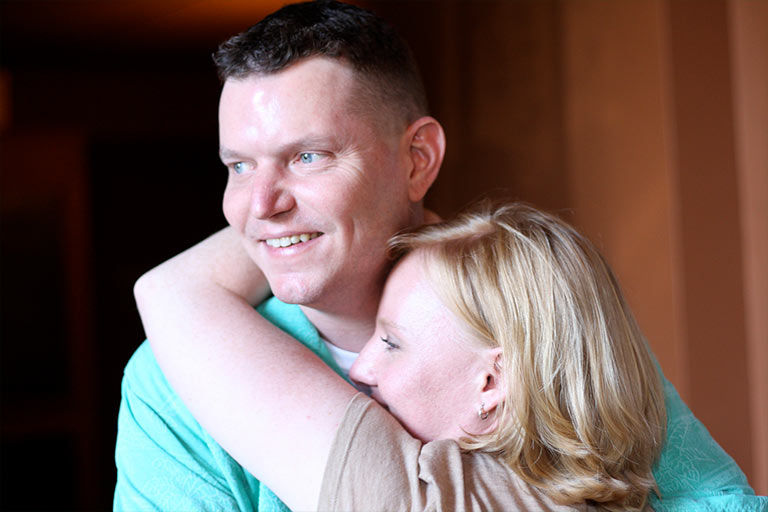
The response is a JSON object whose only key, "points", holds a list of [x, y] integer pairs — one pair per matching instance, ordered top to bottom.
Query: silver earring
{"points": [[482, 413]]}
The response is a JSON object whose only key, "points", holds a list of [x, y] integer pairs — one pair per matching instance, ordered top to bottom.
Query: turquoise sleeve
{"points": [[166, 461], [694, 472]]}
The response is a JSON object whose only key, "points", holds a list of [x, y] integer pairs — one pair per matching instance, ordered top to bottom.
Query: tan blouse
{"points": [[375, 464]]}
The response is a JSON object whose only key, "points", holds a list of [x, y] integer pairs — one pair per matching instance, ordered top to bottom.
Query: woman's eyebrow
{"points": [[391, 325]]}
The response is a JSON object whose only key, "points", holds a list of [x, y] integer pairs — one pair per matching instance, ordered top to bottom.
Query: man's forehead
{"points": [[317, 65], [316, 84], [315, 95]]}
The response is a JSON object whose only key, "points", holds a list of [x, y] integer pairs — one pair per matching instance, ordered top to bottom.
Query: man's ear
{"points": [[426, 141]]}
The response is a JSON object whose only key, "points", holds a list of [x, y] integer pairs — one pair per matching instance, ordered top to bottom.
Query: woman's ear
{"points": [[426, 141], [494, 386]]}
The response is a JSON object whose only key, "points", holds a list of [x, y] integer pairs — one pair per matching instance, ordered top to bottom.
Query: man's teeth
{"points": [[290, 240]]}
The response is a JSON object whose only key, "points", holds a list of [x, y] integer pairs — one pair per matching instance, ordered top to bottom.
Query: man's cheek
{"points": [[234, 208]]}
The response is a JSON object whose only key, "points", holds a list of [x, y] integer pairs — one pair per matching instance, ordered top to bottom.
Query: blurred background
{"points": [[645, 122]]}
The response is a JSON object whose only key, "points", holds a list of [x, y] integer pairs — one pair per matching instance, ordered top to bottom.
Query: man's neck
{"points": [[348, 330]]}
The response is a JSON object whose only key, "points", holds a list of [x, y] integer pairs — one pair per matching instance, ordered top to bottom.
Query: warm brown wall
{"points": [[749, 47], [493, 76], [651, 116], [619, 159], [708, 223]]}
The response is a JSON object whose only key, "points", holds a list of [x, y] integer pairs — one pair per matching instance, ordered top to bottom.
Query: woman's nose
{"points": [[362, 371]]}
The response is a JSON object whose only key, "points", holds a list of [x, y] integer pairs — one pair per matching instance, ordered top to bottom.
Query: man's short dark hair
{"points": [[381, 58]]}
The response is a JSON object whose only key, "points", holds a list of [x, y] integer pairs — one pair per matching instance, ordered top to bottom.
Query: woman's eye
{"points": [[390, 345]]}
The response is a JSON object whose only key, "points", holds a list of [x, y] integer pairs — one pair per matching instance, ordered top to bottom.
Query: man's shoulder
{"points": [[142, 367], [143, 373], [144, 381], [165, 460], [694, 472]]}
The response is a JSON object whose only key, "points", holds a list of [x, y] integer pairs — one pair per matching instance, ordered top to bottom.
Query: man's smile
{"points": [[286, 241]]}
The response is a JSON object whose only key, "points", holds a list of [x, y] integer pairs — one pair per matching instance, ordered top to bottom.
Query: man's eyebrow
{"points": [[309, 143], [225, 153]]}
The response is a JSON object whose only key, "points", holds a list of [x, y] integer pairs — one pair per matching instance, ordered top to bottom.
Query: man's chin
{"points": [[294, 293]]}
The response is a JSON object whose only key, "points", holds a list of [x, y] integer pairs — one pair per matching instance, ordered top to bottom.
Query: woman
{"points": [[502, 332]]}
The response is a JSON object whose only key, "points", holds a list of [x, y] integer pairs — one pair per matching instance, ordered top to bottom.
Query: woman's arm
{"points": [[255, 389]]}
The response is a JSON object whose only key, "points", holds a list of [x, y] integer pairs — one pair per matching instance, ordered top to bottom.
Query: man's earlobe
{"points": [[427, 148]]}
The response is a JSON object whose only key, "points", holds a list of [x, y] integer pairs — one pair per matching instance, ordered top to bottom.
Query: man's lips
{"points": [[289, 240]]}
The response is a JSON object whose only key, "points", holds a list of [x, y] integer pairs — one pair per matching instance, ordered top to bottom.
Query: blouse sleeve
{"points": [[374, 464]]}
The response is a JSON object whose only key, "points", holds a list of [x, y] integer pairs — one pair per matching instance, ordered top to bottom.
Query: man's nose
{"points": [[270, 194]]}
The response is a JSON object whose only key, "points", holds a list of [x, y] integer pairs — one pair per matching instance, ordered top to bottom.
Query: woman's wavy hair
{"points": [[584, 417]]}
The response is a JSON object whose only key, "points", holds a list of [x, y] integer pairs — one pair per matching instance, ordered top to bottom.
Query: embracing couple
{"points": [[487, 362]]}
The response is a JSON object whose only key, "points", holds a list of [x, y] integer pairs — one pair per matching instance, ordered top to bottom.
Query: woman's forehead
{"points": [[412, 307]]}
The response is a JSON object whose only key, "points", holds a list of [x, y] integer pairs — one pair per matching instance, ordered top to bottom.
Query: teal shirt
{"points": [[167, 462], [694, 472]]}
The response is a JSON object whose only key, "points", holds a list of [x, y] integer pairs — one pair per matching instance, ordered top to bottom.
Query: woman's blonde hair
{"points": [[584, 415]]}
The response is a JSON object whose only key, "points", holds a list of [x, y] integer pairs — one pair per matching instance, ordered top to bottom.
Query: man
{"points": [[325, 132]]}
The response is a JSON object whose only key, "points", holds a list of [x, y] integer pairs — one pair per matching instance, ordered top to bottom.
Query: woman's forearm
{"points": [[220, 259], [259, 392]]}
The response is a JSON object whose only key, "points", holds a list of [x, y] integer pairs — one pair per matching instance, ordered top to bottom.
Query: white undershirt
{"points": [[343, 358]]}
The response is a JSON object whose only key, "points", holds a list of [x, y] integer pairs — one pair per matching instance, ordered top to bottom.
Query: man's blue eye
{"points": [[308, 158], [238, 167]]}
